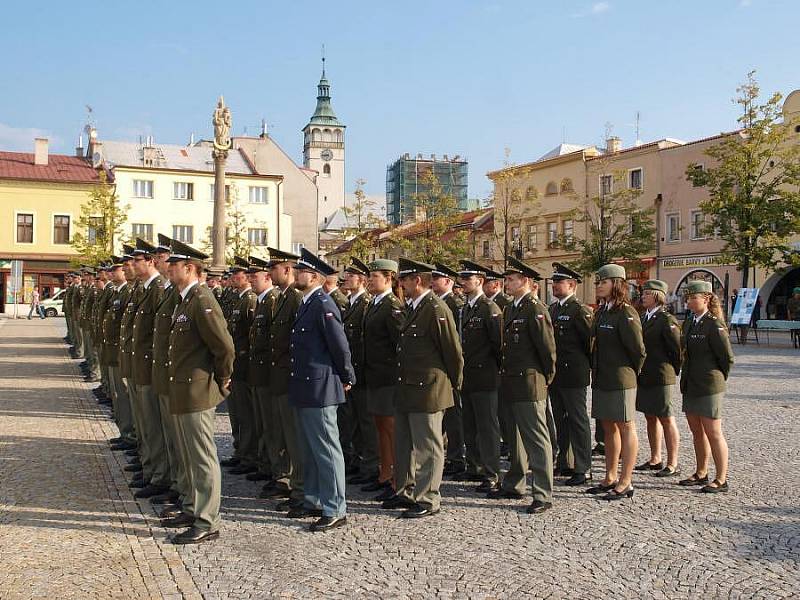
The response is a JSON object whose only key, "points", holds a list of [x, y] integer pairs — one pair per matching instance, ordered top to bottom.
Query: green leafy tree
{"points": [[753, 202], [362, 217], [100, 224], [617, 227], [435, 237]]}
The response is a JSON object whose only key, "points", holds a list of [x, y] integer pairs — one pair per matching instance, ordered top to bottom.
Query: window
{"points": [[326, 170], [635, 179], [606, 184], [566, 186], [142, 188], [551, 189], [182, 191], [227, 192], [531, 194], [259, 195], [697, 224], [568, 227], [673, 227], [24, 228], [61, 229], [142, 230], [96, 231], [183, 233], [552, 233], [515, 234], [257, 237], [532, 237], [298, 246], [486, 249]]}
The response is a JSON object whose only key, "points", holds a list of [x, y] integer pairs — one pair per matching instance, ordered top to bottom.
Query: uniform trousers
{"points": [[77, 336], [90, 353], [121, 401], [232, 403], [246, 422], [259, 422], [169, 424], [572, 427], [454, 429], [482, 433], [527, 436], [366, 438], [294, 448], [197, 452], [419, 457], [277, 462], [155, 464], [323, 465]]}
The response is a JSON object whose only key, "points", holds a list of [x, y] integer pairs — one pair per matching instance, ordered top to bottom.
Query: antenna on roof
{"points": [[323, 61], [638, 141]]}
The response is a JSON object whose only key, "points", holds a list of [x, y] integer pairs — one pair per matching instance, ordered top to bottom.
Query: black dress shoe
{"points": [[105, 402], [115, 441], [124, 446], [132, 452], [229, 462], [648, 466], [133, 468], [564, 472], [258, 476], [363, 478], [578, 479], [137, 483], [376, 486], [487, 486], [715, 487], [600, 488], [149, 491], [274, 492], [500, 493], [385, 494], [615, 495], [170, 497], [398, 502], [288, 505], [537, 507], [419, 511], [170, 512], [301, 512], [182, 520], [326, 523], [193, 535]]}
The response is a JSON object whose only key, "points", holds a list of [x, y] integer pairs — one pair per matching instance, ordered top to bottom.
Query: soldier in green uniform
{"points": [[331, 287], [493, 289], [104, 293], [793, 306], [75, 311], [69, 316], [572, 324], [481, 327], [617, 357], [707, 361], [200, 367], [431, 367], [528, 367], [258, 369], [92, 372], [656, 382], [240, 401], [153, 451], [455, 466], [289, 483]]}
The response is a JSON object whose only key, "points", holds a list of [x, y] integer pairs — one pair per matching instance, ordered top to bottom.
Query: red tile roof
{"points": [[60, 167]]}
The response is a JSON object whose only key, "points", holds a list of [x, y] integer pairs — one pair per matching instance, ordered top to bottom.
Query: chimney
{"points": [[613, 144], [79, 147], [40, 152]]}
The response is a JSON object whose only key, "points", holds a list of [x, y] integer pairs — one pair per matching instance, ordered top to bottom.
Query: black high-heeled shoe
{"points": [[601, 488], [615, 495]]}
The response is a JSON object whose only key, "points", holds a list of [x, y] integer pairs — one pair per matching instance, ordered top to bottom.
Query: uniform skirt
{"points": [[655, 400], [380, 401], [614, 405], [704, 406]]}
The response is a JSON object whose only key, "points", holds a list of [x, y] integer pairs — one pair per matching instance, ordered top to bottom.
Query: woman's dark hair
{"points": [[619, 293]]}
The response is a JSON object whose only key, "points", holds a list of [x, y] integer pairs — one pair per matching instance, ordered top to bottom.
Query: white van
{"points": [[54, 307]]}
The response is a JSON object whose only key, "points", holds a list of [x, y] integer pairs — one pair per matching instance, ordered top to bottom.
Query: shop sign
{"points": [[683, 262]]}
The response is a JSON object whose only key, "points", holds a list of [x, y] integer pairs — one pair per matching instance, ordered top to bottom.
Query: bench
{"points": [[793, 327]]}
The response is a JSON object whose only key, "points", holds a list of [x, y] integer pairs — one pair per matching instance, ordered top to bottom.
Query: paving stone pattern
{"points": [[69, 527]]}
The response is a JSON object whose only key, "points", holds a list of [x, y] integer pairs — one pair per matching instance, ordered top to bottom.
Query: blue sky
{"points": [[468, 78]]}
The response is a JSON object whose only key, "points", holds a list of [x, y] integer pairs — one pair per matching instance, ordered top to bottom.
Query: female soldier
{"points": [[383, 318], [662, 342], [617, 357], [707, 360]]}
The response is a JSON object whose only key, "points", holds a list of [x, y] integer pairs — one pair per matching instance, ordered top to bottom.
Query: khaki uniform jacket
{"points": [[88, 296], [340, 299], [502, 300], [77, 301], [226, 301], [454, 303], [67, 304], [243, 307], [99, 312], [112, 321], [353, 322], [143, 326], [572, 327], [126, 330], [280, 330], [161, 332], [381, 334], [482, 342], [662, 344], [529, 351], [200, 353], [618, 353], [707, 356], [431, 362], [259, 370]]}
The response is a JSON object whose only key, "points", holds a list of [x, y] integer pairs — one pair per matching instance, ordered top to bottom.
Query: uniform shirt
{"points": [[185, 291], [308, 295], [381, 296], [353, 298], [414, 303]]}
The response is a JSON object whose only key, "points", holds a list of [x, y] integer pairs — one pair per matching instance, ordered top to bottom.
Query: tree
{"points": [[753, 202], [511, 210], [361, 216], [100, 225], [617, 227], [237, 228], [433, 236]]}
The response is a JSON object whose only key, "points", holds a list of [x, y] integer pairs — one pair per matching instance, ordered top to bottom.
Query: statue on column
{"points": [[222, 126]]}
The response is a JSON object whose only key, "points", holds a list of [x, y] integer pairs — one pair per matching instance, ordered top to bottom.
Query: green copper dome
{"points": [[323, 114]]}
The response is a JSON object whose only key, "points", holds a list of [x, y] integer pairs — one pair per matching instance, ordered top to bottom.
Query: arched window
{"points": [[338, 134], [315, 135], [326, 135], [326, 170], [566, 186], [551, 189], [531, 193]]}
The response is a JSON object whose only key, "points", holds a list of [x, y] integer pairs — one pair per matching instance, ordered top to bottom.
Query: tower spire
{"points": [[323, 61]]}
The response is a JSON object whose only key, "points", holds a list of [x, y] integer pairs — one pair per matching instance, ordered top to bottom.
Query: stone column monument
{"points": [[222, 144]]}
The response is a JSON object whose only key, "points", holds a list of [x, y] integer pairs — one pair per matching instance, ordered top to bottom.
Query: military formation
{"points": [[389, 376]]}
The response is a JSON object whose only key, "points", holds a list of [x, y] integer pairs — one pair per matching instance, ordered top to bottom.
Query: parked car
{"points": [[54, 307]]}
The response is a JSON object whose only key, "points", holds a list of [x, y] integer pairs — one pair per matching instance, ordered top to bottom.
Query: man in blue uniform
{"points": [[321, 373]]}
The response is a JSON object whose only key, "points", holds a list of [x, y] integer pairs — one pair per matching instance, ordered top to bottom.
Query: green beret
{"points": [[383, 264], [611, 271], [657, 285], [699, 287], [796, 290]]}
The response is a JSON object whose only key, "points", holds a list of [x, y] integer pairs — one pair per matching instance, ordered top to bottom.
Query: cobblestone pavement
{"points": [[70, 528]]}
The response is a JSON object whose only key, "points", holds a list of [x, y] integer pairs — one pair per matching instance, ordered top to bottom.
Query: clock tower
{"points": [[323, 151]]}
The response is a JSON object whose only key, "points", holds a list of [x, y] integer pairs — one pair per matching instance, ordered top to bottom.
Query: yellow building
{"points": [[40, 200]]}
